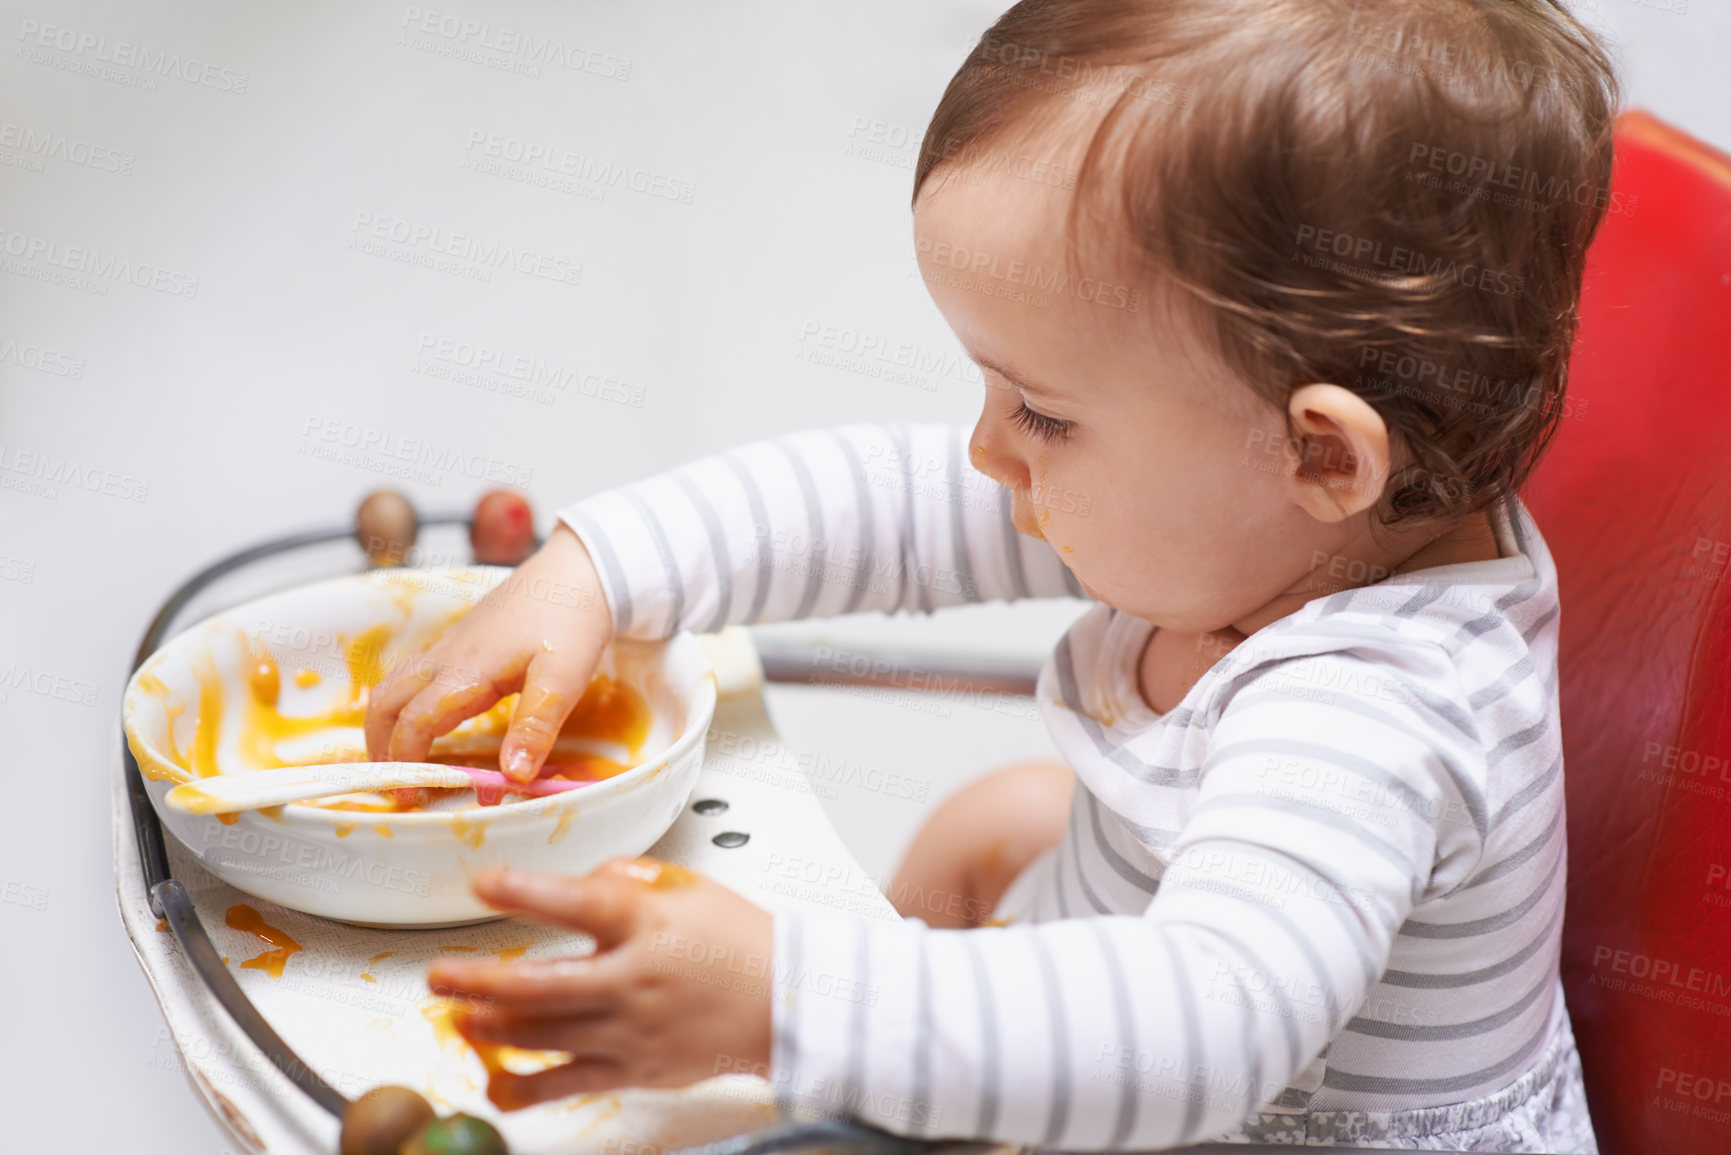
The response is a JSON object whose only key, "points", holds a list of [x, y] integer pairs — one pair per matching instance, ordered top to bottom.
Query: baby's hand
{"points": [[540, 632], [677, 990]]}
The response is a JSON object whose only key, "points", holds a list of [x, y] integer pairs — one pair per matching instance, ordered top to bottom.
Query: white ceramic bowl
{"points": [[394, 869]]}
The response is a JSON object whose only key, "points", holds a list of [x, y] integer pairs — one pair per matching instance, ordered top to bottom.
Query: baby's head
{"points": [[1262, 284]]}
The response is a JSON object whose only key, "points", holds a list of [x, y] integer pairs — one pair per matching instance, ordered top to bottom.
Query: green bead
{"points": [[457, 1135]]}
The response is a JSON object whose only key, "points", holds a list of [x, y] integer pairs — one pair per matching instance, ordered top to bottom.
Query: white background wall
{"points": [[795, 123]]}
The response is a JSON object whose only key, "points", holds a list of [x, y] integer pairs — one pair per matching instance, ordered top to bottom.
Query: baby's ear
{"points": [[1340, 458]]}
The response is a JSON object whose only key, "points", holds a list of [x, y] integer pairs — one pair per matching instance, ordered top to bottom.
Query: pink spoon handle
{"points": [[536, 787]]}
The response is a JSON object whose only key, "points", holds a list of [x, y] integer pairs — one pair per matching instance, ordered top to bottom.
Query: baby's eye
{"points": [[1041, 426]]}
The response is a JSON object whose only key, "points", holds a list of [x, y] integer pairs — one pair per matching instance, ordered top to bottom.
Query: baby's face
{"points": [[1142, 462]]}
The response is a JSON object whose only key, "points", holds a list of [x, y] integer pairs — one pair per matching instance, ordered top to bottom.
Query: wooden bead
{"points": [[386, 527], [503, 530], [382, 1120]]}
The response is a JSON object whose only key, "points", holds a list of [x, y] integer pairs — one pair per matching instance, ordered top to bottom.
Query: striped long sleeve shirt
{"points": [[1330, 880]]}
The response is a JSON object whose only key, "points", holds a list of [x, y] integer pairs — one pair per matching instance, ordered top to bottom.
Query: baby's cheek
{"points": [[1061, 502], [1108, 545]]}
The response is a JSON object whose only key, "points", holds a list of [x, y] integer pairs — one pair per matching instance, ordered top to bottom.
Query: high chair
{"points": [[1634, 500]]}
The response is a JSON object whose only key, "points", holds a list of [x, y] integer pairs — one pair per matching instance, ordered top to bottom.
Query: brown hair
{"points": [[1395, 196]]}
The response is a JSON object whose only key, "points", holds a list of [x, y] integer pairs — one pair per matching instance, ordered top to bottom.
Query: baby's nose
{"points": [[1003, 468]]}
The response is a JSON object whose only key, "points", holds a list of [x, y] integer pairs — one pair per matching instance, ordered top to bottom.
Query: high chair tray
{"points": [[352, 1002], [275, 1049]]}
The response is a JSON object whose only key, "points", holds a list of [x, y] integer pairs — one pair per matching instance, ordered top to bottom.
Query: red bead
{"points": [[503, 531]]}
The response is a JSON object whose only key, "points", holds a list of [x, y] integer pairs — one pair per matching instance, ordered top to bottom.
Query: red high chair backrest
{"points": [[1634, 500]]}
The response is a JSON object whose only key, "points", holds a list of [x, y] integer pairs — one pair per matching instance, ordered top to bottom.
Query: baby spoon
{"points": [[227, 793]]}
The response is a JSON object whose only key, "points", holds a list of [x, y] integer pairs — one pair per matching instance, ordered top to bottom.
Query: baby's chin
{"points": [[1092, 593], [1163, 613]]}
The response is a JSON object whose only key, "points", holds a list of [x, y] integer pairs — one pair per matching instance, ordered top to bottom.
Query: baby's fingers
{"points": [[552, 685], [386, 700], [438, 708], [600, 904], [558, 987], [573, 1034], [511, 1092]]}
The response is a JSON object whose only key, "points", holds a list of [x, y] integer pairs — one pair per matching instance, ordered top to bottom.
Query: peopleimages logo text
{"points": [[125, 54], [467, 247], [89, 262], [381, 443]]}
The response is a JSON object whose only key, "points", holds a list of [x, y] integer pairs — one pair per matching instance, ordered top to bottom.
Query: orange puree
{"points": [[366, 662], [262, 676], [156, 688], [609, 710], [612, 710], [208, 724], [660, 875], [243, 917], [375, 961], [497, 1059]]}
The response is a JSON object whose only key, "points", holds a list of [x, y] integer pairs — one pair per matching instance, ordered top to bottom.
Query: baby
{"points": [[1274, 299]]}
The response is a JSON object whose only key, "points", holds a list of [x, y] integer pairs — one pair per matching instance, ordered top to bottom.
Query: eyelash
{"points": [[1039, 425]]}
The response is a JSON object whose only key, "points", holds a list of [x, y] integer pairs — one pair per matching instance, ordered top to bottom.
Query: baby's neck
{"points": [[1470, 539], [1173, 661]]}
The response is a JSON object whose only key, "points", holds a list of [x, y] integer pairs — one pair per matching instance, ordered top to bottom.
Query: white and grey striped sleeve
{"points": [[818, 523], [1318, 825]]}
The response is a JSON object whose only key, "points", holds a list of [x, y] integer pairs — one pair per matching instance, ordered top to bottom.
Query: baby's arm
{"points": [[863, 517], [824, 522], [1275, 919]]}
